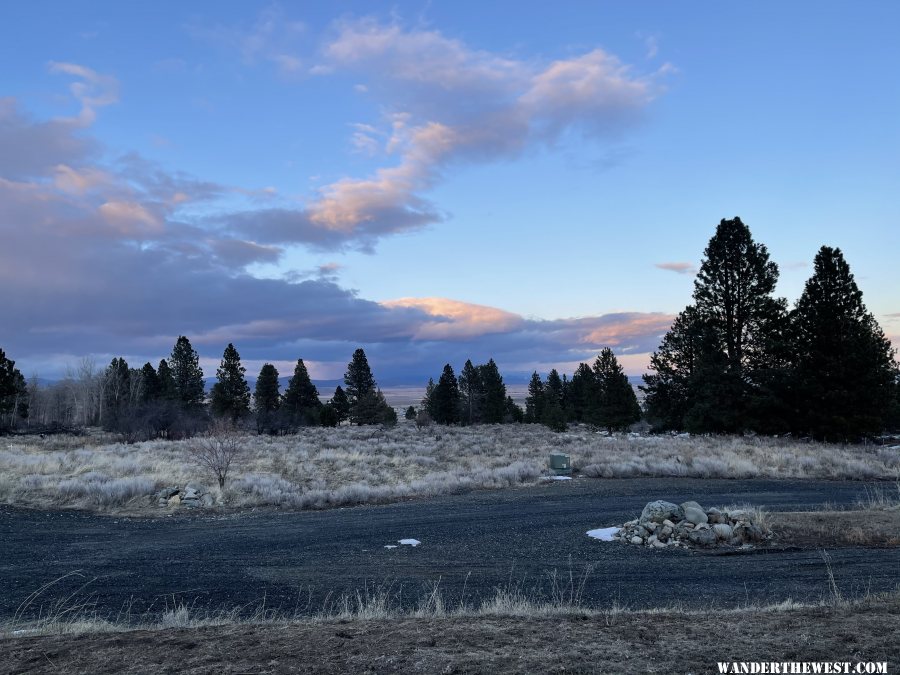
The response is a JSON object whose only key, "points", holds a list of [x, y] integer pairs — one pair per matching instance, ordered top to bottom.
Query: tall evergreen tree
{"points": [[733, 293], [732, 320], [184, 365], [844, 370], [358, 379], [669, 387], [150, 389], [167, 389], [361, 389], [471, 389], [553, 389], [231, 393], [580, 393], [267, 394], [116, 395], [266, 398], [301, 398], [445, 399], [494, 402], [534, 402], [341, 404], [427, 405], [617, 406]]}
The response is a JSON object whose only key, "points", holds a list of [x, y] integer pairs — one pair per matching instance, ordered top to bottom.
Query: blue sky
{"points": [[432, 181]]}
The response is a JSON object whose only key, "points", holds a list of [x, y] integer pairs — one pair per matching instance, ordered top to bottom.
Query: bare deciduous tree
{"points": [[217, 450]]}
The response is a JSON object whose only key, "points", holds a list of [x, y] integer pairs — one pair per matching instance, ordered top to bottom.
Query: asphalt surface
{"points": [[471, 544]]}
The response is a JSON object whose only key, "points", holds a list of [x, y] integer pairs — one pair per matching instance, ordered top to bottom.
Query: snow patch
{"points": [[556, 478], [604, 533], [409, 542], [390, 546]]}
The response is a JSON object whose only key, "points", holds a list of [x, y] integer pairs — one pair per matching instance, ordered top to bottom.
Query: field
{"points": [[323, 468], [277, 576]]}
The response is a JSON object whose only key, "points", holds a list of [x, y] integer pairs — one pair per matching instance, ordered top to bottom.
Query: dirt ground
{"points": [[831, 529], [625, 643]]}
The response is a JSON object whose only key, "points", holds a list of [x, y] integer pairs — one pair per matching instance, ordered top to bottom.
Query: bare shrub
{"points": [[217, 450]]}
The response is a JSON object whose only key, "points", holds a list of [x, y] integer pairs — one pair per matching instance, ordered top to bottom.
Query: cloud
{"points": [[272, 38], [92, 89], [446, 104], [29, 148], [105, 257], [677, 267], [454, 319]]}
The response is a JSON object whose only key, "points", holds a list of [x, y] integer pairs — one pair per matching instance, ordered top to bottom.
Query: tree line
{"points": [[735, 360], [600, 396], [170, 400]]}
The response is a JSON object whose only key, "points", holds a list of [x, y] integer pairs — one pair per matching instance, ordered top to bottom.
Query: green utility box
{"points": [[560, 464]]}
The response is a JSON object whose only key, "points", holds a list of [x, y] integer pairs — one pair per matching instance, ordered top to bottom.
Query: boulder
{"points": [[174, 500], [207, 500], [658, 511], [694, 513], [715, 516], [723, 531], [702, 538], [636, 540]]}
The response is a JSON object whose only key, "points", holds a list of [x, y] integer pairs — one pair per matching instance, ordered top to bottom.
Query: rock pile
{"points": [[192, 496], [665, 524]]}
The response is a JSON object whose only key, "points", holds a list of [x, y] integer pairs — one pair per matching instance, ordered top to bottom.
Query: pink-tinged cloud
{"points": [[446, 104], [131, 219], [677, 267], [456, 319], [622, 333]]}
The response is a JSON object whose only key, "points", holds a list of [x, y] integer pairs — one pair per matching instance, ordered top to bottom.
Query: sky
{"points": [[431, 181]]}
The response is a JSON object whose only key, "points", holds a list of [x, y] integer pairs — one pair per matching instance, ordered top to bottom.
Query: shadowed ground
{"points": [[471, 544]]}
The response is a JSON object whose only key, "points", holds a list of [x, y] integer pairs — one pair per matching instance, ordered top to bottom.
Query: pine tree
{"points": [[184, 365], [721, 366], [844, 371], [358, 379], [360, 384], [669, 387], [167, 389], [150, 390], [471, 390], [231, 393], [581, 393], [267, 394], [116, 395], [266, 398], [301, 398], [446, 399], [534, 402], [341, 404], [427, 405], [494, 405], [617, 406], [410, 413]]}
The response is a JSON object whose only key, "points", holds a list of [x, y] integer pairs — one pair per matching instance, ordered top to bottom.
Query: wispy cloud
{"points": [[446, 104], [677, 267]]}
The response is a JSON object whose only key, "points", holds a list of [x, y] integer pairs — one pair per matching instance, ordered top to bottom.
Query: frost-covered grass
{"points": [[321, 468]]}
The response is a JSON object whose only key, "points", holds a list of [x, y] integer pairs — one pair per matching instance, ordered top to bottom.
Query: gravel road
{"points": [[470, 543]]}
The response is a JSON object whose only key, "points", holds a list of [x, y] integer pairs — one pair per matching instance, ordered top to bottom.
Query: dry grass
{"points": [[321, 468], [873, 521]]}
